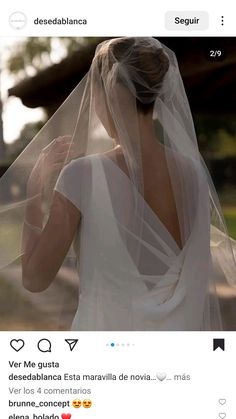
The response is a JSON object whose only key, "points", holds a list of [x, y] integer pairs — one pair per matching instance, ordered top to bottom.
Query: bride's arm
{"points": [[44, 249], [43, 253]]}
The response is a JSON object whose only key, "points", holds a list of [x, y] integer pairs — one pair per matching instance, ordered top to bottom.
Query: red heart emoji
{"points": [[66, 415]]}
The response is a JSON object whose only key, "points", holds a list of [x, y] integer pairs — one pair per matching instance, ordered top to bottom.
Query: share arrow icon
{"points": [[72, 343]]}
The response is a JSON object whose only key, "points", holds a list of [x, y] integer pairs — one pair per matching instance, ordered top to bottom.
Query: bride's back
{"points": [[158, 191]]}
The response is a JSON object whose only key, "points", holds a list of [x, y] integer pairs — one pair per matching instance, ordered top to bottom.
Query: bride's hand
{"points": [[50, 162]]}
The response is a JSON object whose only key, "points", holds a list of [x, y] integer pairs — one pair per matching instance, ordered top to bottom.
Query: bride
{"points": [[128, 195]]}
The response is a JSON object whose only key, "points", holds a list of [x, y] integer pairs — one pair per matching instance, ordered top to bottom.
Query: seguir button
{"points": [[186, 21]]}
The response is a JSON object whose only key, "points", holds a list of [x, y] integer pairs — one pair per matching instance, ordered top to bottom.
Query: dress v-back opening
{"points": [[144, 201]]}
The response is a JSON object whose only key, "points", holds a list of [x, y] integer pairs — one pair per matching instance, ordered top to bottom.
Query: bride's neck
{"points": [[150, 146]]}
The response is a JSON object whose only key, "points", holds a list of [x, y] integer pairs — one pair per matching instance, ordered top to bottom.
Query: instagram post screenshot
{"points": [[117, 211]]}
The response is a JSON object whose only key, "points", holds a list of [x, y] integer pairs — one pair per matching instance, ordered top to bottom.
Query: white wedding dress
{"points": [[170, 289]]}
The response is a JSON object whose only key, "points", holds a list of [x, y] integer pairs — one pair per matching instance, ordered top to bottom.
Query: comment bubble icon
{"points": [[44, 345]]}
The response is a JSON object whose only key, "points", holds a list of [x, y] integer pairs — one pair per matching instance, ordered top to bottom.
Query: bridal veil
{"points": [[128, 76]]}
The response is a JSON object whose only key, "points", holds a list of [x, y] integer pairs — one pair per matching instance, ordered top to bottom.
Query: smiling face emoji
{"points": [[76, 403], [87, 403]]}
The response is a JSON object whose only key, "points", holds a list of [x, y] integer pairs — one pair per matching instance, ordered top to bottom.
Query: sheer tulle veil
{"points": [[122, 80]]}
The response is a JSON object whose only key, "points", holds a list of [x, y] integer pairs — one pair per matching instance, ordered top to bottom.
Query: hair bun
{"points": [[145, 63]]}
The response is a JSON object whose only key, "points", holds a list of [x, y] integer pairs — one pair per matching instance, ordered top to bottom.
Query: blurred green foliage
{"points": [[33, 54], [27, 133], [216, 135], [230, 218]]}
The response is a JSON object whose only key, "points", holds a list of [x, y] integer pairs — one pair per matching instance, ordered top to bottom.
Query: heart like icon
{"points": [[17, 344], [161, 376], [222, 401], [66, 415], [222, 415]]}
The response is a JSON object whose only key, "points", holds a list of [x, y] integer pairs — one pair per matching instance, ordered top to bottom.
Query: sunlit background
{"points": [[23, 58]]}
